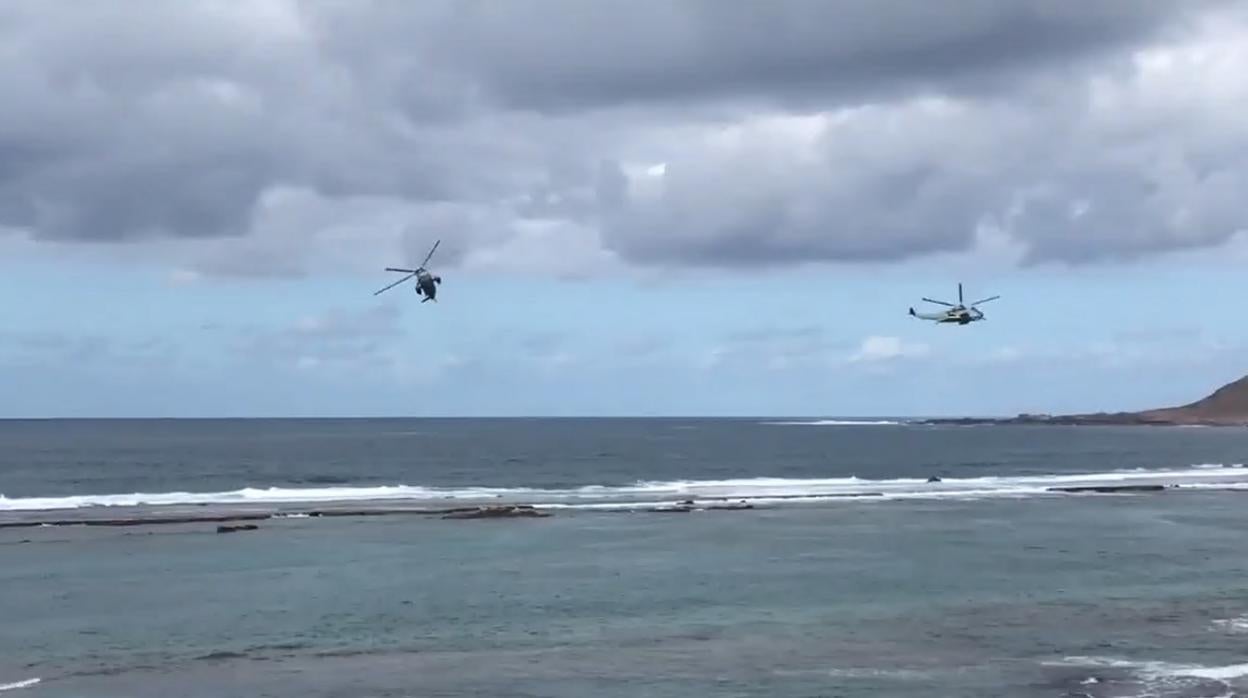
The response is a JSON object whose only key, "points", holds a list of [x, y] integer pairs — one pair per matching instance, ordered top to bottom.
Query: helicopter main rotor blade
{"points": [[431, 251], [405, 271], [377, 293], [991, 298], [929, 300]]}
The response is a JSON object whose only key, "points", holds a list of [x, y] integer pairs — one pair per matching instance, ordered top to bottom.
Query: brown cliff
{"points": [[1227, 405]]}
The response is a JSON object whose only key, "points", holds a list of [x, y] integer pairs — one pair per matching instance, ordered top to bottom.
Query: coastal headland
{"points": [[1225, 407]]}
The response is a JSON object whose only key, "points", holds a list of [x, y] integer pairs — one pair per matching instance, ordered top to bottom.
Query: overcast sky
{"points": [[645, 207]]}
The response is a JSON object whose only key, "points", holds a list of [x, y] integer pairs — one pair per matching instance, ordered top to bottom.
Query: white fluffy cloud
{"points": [[879, 349]]}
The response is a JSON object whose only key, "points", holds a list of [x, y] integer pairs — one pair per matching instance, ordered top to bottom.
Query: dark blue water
{"points": [[70, 457], [985, 584]]}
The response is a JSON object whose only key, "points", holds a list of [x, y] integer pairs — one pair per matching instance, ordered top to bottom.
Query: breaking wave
{"points": [[837, 423], [761, 490], [1232, 625], [1156, 678], [19, 684]]}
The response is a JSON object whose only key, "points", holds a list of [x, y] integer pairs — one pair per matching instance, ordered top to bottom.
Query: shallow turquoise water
{"points": [[1019, 597]]}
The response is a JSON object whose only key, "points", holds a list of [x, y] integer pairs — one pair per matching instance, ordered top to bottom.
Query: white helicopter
{"points": [[426, 283], [959, 314]]}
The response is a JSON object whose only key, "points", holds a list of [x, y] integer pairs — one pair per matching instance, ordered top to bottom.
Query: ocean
{"points": [[811, 558]]}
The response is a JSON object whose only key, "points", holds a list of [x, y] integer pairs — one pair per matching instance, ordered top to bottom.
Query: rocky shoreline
{"points": [[1090, 420], [156, 516], [239, 519], [231, 521]]}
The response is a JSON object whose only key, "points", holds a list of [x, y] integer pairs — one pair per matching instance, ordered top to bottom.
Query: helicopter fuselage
{"points": [[427, 285], [952, 317], [963, 317]]}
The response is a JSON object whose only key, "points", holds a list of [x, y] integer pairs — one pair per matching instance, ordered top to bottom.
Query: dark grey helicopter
{"points": [[426, 283]]}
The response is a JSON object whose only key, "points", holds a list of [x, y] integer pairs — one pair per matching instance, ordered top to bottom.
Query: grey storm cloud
{"points": [[566, 53], [687, 132]]}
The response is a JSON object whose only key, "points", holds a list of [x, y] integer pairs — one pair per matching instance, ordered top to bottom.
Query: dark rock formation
{"points": [[1109, 489], [730, 507], [502, 512], [158, 516], [232, 529]]}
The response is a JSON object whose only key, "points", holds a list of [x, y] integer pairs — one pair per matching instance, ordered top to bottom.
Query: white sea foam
{"points": [[836, 423], [761, 490], [1232, 625], [1163, 672], [19, 684]]}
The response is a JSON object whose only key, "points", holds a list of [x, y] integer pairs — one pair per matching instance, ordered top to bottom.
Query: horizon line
{"points": [[492, 417]]}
